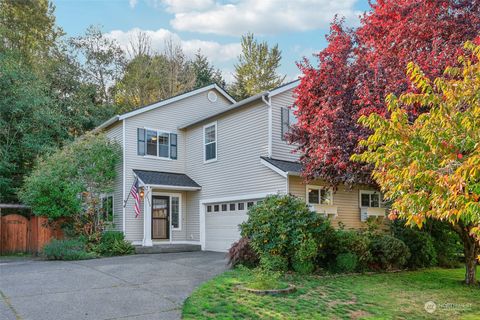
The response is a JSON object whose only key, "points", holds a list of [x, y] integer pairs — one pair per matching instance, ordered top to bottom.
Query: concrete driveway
{"points": [[130, 287]]}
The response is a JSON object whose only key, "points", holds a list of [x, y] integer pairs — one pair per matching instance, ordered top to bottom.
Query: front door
{"points": [[160, 217]]}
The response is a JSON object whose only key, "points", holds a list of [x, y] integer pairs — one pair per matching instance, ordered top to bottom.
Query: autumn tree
{"points": [[359, 67], [257, 68], [430, 168]]}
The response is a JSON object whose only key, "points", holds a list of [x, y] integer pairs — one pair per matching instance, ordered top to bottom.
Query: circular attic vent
{"points": [[212, 96]]}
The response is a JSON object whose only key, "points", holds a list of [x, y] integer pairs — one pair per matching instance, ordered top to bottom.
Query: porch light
{"points": [[141, 193]]}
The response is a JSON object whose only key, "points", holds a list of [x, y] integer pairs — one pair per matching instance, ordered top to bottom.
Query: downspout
{"points": [[270, 116], [123, 178]]}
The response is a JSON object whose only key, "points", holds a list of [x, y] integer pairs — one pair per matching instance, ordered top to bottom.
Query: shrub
{"points": [[282, 225], [348, 241], [113, 243], [420, 244], [66, 250], [389, 252], [241, 253], [304, 257], [273, 262], [346, 262], [265, 279]]}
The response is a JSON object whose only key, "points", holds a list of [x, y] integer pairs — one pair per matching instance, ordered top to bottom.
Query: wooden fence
{"points": [[19, 233]]}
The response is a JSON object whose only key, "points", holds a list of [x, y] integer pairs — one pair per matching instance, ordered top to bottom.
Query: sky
{"points": [[215, 26]]}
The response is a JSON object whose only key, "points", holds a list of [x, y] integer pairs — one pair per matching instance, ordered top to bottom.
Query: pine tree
{"points": [[256, 70], [205, 73]]}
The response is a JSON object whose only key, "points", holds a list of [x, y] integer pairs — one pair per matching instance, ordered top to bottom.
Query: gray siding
{"points": [[168, 118], [115, 132], [242, 137], [280, 148]]}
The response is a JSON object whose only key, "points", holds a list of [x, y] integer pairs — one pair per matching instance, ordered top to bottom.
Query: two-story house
{"points": [[202, 159]]}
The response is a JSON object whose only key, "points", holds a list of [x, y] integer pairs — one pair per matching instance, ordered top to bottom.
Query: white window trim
{"points": [[205, 145], [148, 156], [317, 187], [369, 192], [180, 213]]}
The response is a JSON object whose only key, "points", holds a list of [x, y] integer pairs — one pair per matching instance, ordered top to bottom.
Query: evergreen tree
{"points": [[256, 70], [205, 73]]}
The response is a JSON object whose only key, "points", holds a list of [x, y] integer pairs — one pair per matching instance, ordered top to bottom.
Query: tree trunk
{"points": [[471, 249], [471, 254]]}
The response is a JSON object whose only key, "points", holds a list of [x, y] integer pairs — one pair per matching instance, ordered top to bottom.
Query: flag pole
{"points": [[128, 196]]}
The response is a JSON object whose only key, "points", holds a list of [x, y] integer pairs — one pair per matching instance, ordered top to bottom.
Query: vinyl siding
{"points": [[166, 118], [115, 132], [242, 137], [280, 148], [346, 201]]}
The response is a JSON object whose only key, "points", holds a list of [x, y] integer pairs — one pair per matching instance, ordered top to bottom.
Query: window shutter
{"points": [[285, 121], [141, 142], [173, 146]]}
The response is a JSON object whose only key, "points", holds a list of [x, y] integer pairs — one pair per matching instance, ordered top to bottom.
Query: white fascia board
{"points": [[284, 88], [224, 93], [175, 99], [107, 123], [272, 167], [168, 187]]}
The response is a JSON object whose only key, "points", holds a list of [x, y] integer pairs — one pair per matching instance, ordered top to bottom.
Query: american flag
{"points": [[136, 196]]}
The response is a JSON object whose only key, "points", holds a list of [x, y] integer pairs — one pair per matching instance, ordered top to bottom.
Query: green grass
{"points": [[380, 296]]}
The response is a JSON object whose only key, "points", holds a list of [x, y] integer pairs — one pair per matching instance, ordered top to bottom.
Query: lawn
{"points": [[380, 296]]}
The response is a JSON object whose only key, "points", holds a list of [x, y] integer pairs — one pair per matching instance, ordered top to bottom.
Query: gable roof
{"points": [[258, 96], [164, 102], [230, 108], [166, 179]]}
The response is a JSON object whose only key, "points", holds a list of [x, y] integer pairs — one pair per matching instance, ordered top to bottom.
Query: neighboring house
{"points": [[203, 159]]}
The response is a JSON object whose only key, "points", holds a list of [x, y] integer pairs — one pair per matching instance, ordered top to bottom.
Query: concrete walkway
{"points": [[130, 287]]}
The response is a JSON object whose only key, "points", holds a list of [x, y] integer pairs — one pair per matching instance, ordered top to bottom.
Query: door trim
{"points": [[180, 213], [167, 218]]}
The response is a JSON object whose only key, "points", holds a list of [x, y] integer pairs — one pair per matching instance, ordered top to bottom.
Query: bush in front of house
{"points": [[285, 233], [113, 243], [347, 243], [420, 245], [71, 249], [242, 253], [389, 253]]}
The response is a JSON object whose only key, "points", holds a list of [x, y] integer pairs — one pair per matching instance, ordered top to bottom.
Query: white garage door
{"points": [[221, 223]]}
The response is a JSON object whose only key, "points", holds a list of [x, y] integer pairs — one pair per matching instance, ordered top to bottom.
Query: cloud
{"points": [[133, 3], [260, 17], [215, 51]]}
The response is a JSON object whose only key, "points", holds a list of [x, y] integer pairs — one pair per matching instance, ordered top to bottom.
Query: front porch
{"points": [[164, 212]]}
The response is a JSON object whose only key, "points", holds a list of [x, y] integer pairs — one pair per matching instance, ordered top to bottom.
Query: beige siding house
{"points": [[201, 159]]}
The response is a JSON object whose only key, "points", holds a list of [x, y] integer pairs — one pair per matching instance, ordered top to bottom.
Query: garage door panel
{"points": [[222, 228]]}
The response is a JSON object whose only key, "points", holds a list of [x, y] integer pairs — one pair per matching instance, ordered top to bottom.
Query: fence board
{"points": [[14, 233], [20, 234]]}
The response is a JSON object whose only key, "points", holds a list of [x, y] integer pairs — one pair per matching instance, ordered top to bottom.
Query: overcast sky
{"points": [[299, 26]]}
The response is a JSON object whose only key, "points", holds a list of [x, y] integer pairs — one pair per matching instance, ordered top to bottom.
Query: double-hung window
{"points": [[288, 120], [210, 142], [156, 143], [318, 195], [370, 199]]}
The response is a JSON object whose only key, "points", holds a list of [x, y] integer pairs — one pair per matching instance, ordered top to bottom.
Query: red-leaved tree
{"points": [[359, 67]]}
